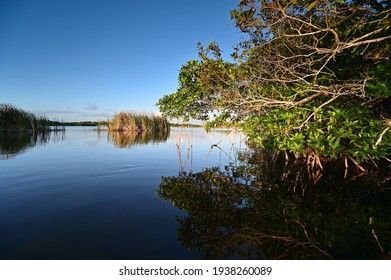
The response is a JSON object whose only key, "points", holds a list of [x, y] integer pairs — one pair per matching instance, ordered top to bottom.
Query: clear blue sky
{"points": [[87, 59]]}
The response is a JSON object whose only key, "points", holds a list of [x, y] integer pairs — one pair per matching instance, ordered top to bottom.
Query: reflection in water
{"points": [[127, 139], [231, 140], [15, 143], [12, 144], [265, 209]]}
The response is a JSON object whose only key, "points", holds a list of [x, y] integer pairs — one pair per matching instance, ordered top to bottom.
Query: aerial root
{"points": [[286, 158], [314, 162], [356, 163], [314, 168]]}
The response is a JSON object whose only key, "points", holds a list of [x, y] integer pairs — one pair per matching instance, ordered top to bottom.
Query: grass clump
{"points": [[13, 119], [124, 121]]}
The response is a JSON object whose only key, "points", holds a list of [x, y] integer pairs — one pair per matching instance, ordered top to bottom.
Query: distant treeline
{"points": [[84, 123], [107, 124], [186, 125], [208, 126]]}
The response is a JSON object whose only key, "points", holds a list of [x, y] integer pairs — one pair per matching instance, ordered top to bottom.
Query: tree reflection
{"points": [[127, 139], [264, 209]]}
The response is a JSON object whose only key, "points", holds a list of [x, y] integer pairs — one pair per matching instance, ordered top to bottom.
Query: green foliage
{"points": [[308, 77], [194, 98], [186, 103], [13, 119], [21, 130], [334, 132]]}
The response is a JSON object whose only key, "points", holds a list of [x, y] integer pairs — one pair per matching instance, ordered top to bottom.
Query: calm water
{"points": [[85, 194]]}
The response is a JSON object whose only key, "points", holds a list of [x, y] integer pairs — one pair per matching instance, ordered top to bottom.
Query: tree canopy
{"points": [[310, 77]]}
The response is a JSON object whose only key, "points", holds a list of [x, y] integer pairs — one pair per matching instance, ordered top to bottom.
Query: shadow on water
{"points": [[128, 139], [15, 143], [262, 208]]}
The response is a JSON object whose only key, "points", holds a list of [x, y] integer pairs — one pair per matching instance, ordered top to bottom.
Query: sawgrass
{"points": [[13, 119], [124, 121]]}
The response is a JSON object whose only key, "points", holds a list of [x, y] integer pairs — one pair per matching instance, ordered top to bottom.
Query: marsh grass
{"points": [[13, 119], [131, 122]]}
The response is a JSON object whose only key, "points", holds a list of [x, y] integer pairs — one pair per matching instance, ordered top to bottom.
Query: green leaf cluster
{"points": [[308, 77], [333, 132]]}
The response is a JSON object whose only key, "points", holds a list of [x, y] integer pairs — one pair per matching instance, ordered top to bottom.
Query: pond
{"points": [[188, 194]]}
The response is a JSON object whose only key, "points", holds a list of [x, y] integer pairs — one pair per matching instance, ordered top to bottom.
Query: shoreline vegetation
{"points": [[310, 79], [14, 119], [124, 121]]}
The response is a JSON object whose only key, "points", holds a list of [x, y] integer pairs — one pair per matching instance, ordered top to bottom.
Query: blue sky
{"points": [[88, 59]]}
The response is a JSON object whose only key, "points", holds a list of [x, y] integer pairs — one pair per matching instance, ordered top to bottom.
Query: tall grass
{"points": [[13, 119], [131, 122]]}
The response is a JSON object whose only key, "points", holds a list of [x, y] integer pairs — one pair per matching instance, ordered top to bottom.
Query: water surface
{"points": [[87, 194]]}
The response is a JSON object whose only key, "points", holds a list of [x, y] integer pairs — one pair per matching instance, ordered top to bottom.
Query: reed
{"points": [[13, 119], [132, 122]]}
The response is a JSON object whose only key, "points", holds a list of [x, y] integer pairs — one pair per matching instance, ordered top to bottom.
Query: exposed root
{"points": [[381, 136], [275, 156], [286, 158], [314, 162], [374, 162], [356, 163], [314, 168], [346, 168]]}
